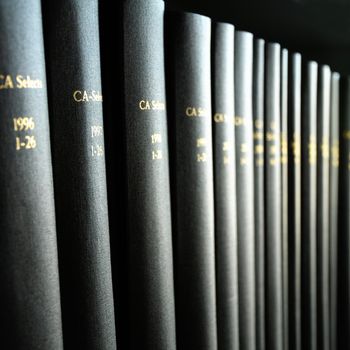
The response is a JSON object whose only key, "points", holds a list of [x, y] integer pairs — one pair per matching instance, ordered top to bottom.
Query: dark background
{"points": [[319, 29]]}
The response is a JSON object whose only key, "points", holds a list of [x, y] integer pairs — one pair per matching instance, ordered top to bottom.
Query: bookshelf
{"points": [[319, 29]]}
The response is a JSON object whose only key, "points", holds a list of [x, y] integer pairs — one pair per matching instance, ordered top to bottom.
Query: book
{"points": [[188, 64], [243, 73], [323, 130], [258, 136], [78, 150], [225, 186], [284, 194], [294, 197], [273, 199], [308, 206], [333, 207], [344, 218], [29, 294], [151, 308]]}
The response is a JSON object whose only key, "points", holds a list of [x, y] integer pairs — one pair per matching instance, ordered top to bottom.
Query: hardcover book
{"points": [[243, 74], [190, 128], [77, 133], [225, 186], [273, 196], [294, 203], [259, 207], [308, 207], [323, 278], [29, 295]]}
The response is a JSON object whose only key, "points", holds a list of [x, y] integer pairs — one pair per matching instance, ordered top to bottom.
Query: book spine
{"points": [[243, 73], [189, 105], [76, 119], [323, 130], [258, 136], [225, 186], [294, 195], [285, 200], [273, 203], [308, 207], [333, 207], [344, 217], [150, 258], [29, 294]]}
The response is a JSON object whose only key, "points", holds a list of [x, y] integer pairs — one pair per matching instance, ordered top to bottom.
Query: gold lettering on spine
{"points": [[19, 81], [87, 96], [21, 126], [258, 137], [156, 140], [272, 147], [284, 148], [296, 148], [97, 149], [312, 150], [335, 154]]}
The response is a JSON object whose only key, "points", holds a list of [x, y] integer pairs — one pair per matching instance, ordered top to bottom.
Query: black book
{"points": [[243, 73], [190, 129], [323, 129], [77, 133], [225, 186], [284, 193], [294, 200], [273, 203], [308, 206], [333, 207], [259, 211], [344, 217], [29, 294], [151, 308]]}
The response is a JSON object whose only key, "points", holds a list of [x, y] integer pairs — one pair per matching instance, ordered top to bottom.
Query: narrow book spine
{"points": [[243, 73], [189, 105], [323, 130], [79, 173], [225, 186], [294, 195], [285, 200], [273, 203], [259, 207], [308, 207], [333, 207], [344, 217], [150, 259], [29, 295]]}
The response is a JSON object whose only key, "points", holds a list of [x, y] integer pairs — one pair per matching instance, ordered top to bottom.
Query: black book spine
{"points": [[72, 42], [243, 72], [189, 105], [323, 130], [225, 186], [284, 193], [294, 195], [273, 203], [308, 207], [333, 207], [259, 211], [344, 217], [150, 258], [29, 295]]}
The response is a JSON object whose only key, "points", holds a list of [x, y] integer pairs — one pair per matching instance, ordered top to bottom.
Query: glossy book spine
{"points": [[243, 74], [190, 129], [77, 132], [323, 134], [225, 186], [284, 195], [294, 195], [273, 199], [259, 207], [308, 207], [333, 208], [344, 217], [29, 294], [151, 309]]}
